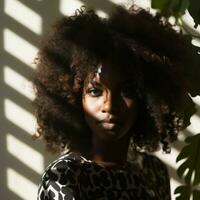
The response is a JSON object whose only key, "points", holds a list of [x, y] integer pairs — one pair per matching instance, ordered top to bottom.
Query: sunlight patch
{"points": [[68, 7], [24, 15], [19, 48], [18, 82], [19, 116], [25, 153], [21, 186]]}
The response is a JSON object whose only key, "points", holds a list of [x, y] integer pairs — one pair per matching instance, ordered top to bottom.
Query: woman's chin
{"points": [[111, 134]]}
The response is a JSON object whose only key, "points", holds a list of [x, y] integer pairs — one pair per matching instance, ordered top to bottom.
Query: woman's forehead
{"points": [[117, 71], [108, 75]]}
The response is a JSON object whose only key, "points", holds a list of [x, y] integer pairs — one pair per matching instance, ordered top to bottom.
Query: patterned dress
{"points": [[72, 177]]}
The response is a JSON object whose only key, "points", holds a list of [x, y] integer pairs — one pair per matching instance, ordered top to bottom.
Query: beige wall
{"points": [[23, 160]]}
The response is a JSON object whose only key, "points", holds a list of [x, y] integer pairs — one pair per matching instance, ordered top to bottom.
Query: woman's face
{"points": [[109, 102]]}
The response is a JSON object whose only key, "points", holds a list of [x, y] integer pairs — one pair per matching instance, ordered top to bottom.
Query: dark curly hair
{"points": [[76, 46]]}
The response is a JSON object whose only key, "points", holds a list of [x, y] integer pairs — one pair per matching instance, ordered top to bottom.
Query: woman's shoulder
{"points": [[146, 160], [153, 162], [64, 164], [152, 166], [62, 171], [60, 176], [156, 176]]}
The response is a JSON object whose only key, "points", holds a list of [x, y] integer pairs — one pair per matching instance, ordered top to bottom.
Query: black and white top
{"points": [[72, 177]]}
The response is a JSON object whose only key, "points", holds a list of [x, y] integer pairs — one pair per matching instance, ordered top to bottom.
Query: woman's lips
{"points": [[109, 125]]}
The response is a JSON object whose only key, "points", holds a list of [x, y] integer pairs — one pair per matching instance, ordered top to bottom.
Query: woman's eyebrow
{"points": [[94, 82], [128, 82]]}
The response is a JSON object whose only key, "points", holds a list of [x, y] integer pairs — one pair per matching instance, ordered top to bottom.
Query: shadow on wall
{"points": [[22, 159]]}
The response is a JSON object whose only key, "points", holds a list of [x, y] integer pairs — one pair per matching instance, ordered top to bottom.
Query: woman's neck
{"points": [[112, 152]]}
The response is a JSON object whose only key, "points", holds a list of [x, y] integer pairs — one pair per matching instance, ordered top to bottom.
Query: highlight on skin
{"points": [[109, 103]]}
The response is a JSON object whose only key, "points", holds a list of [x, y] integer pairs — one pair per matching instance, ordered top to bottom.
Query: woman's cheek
{"points": [[129, 102], [91, 105]]}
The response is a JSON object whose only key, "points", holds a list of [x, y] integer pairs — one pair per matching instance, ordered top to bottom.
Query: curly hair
{"points": [[155, 52]]}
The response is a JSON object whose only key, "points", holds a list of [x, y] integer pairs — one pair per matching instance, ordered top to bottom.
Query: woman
{"points": [[108, 91]]}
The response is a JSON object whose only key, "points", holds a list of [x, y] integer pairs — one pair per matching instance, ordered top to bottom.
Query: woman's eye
{"points": [[95, 92], [128, 92]]}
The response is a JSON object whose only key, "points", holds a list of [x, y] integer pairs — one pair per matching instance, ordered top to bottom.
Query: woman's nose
{"points": [[109, 104]]}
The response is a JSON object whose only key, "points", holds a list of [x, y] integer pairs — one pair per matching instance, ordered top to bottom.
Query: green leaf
{"points": [[160, 4], [184, 6], [170, 7], [177, 8], [194, 10], [193, 71], [189, 110], [191, 154], [184, 192], [196, 195]]}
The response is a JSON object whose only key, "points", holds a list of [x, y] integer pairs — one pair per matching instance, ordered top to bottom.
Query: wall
{"points": [[22, 159]]}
